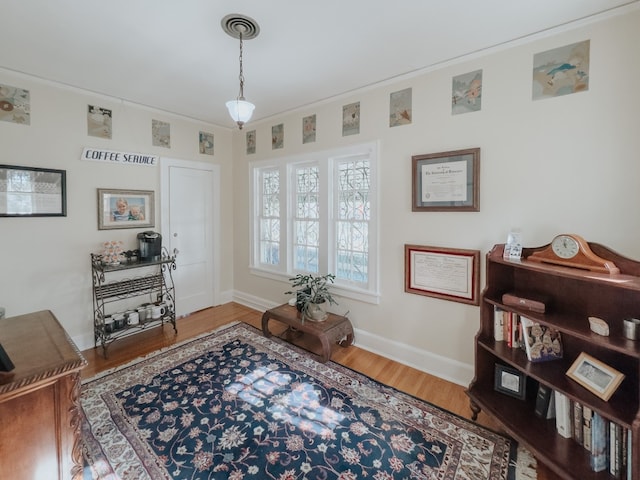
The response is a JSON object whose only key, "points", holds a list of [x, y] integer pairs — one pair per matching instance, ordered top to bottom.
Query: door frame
{"points": [[165, 166]]}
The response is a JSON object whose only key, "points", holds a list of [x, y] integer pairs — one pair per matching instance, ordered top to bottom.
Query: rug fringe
{"points": [[157, 352], [525, 465]]}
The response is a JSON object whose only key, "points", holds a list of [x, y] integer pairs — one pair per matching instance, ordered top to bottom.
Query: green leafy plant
{"points": [[310, 289]]}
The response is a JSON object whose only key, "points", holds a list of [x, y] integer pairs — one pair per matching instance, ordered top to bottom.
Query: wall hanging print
{"points": [[561, 71], [466, 93], [15, 105], [400, 112], [351, 119], [99, 122], [309, 129], [160, 134], [277, 136], [251, 142], [205, 143]]}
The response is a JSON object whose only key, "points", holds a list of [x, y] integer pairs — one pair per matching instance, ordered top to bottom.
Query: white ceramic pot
{"points": [[158, 311], [317, 312], [133, 318]]}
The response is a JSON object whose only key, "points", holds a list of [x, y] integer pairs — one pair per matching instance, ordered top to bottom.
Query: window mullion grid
{"points": [[306, 218], [352, 220], [324, 226], [270, 243]]}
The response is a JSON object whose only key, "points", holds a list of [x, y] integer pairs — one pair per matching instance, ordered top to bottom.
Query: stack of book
{"points": [[506, 328], [542, 343], [608, 442]]}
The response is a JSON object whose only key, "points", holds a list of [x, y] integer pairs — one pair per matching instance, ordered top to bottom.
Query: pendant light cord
{"points": [[241, 77]]}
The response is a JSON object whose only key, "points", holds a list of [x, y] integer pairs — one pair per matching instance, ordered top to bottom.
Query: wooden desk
{"points": [[335, 329], [40, 414]]}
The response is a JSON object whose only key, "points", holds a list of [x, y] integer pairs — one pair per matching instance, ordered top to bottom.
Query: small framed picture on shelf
{"points": [[597, 377], [510, 381]]}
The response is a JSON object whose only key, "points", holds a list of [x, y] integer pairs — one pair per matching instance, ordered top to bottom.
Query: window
{"points": [[317, 213], [353, 214], [270, 217], [306, 218]]}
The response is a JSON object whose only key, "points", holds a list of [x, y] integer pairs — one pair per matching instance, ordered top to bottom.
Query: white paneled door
{"points": [[190, 192]]}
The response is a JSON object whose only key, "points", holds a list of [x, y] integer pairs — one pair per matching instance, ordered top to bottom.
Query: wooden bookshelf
{"points": [[572, 295]]}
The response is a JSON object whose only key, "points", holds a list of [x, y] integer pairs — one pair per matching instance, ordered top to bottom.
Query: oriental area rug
{"points": [[236, 405]]}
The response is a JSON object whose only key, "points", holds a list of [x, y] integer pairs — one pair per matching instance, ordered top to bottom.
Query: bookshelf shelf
{"points": [[572, 296]]}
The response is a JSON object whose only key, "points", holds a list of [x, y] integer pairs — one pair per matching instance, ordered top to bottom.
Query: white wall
{"points": [[565, 164], [45, 262]]}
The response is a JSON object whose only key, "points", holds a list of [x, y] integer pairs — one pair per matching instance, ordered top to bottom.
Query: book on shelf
{"points": [[498, 324], [513, 331], [542, 343], [545, 402], [551, 409], [563, 414], [577, 423], [586, 427], [599, 448], [615, 449], [629, 455]]}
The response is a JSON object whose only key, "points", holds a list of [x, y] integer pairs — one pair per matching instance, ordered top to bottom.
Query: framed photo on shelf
{"points": [[447, 181], [32, 192], [125, 209], [446, 273], [597, 377], [510, 381]]}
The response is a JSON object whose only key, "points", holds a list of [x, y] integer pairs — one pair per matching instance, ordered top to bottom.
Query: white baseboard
{"points": [[252, 301], [423, 360]]}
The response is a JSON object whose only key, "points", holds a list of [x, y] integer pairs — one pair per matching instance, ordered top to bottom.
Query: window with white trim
{"points": [[317, 213]]}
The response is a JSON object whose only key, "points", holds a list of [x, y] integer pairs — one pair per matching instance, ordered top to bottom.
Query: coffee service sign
{"points": [[125, 158]]}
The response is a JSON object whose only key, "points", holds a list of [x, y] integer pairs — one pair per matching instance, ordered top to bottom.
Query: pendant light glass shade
{"points": [[240, 110]]}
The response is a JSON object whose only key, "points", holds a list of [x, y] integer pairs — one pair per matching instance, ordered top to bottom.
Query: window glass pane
{"points": [[270, 219], [306, 223], [352, 226]]}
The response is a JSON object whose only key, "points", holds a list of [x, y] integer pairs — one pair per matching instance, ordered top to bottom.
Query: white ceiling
{"points": [[174, 55]]}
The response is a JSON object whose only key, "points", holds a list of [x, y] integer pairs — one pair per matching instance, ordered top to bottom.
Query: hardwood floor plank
{"points": [[427, 387]]}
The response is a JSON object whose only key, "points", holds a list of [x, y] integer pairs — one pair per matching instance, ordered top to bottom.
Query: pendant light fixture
{"points": [[243, 28]]}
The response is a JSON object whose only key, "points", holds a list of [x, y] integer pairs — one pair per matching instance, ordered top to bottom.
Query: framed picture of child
{"points": [[125, 209]]}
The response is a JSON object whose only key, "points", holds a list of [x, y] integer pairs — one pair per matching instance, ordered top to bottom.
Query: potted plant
{"points": [[312, 294]]}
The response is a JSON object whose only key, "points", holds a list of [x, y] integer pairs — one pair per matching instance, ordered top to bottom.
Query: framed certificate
{"points": [[447, 181], [446, 273]]}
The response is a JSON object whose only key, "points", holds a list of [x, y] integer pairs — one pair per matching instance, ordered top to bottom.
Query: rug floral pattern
{"points": [[235, 405]]}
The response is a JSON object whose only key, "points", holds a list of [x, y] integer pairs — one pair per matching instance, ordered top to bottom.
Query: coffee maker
{"points": [[150, 245]]}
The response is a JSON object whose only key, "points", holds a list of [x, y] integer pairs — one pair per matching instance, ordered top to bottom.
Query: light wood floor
{"points": [[439, 392]]}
